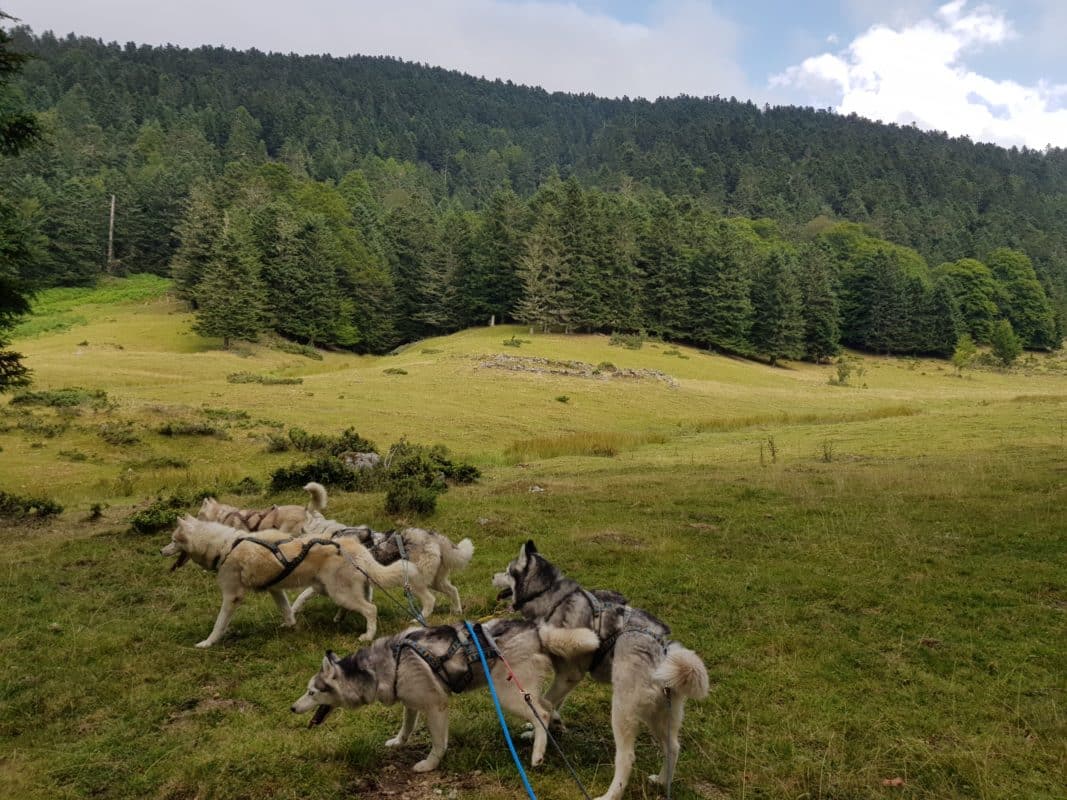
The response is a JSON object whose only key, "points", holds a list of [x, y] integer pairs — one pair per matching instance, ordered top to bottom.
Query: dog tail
{"points": [[317, 501], [456, 556], [568, 642], [682, 671]]}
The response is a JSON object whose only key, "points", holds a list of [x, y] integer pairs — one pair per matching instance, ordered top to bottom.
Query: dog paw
{"points": [[288, 623], [365, 637], [204, 644], [396, 741], [537, 761], [426, 765], [655, 779]]}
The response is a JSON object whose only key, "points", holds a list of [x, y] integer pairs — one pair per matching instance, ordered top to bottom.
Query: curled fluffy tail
{"points": [[317, 501], [456, 556], [568, 642], [683, 672]]}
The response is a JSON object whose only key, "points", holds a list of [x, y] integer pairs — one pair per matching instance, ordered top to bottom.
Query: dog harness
{"points": [[246, 517], [385, 557], [288, 565], [608, 645], [458, 683]]}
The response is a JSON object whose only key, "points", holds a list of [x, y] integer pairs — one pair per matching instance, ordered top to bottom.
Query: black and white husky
{"points": [[422, 667], [651, 675]]}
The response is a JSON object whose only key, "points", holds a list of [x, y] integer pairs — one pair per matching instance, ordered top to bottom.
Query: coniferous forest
{"points": [[366, 202]]}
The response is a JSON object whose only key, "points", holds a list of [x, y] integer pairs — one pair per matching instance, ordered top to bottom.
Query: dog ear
{"points": [[530, 547]]}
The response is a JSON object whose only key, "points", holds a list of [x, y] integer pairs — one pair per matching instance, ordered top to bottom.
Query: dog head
{"points": [[179, 543], [526, 577], [339, 682]]}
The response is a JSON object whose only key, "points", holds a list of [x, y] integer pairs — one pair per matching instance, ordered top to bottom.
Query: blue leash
{"points": [[500, 712]]}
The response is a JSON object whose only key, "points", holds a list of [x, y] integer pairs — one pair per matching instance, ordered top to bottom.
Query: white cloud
{"points": [[687, 47], [916, 74]]}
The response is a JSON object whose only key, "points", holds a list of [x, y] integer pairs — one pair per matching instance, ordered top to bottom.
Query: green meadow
{"points": [[874, 573]]}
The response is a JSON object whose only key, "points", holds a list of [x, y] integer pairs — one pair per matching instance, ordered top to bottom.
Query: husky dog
{"points": [[281, 518], [431, 557], [272, 561], [421, 667], [651, 675]]}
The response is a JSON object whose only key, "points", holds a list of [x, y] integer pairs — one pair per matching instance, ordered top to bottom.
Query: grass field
{"points": [[875, 574]]}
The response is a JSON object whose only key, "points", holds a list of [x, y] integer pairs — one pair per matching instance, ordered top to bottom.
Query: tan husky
{"points": [[289, 519], [272, 561]]}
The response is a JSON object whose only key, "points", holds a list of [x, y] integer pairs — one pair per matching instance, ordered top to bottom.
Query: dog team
{"points": [[565, 630]]}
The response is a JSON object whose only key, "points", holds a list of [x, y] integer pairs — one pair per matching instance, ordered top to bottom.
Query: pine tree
{"points": [[198, 231], [663, 266], [489, 285], [721, 292], [230, 297], [545, 301], [941, 322], [778, 324], [822, 329], [1006, 345]]}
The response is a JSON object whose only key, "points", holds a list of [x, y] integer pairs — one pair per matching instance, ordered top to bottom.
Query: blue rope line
{"points": [[500, 712]]}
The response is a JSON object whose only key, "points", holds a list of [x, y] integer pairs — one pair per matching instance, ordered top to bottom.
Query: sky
{"points": [[996, 72]]}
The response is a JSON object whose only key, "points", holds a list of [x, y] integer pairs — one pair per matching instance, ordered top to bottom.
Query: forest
{"points": [[362, 203]]}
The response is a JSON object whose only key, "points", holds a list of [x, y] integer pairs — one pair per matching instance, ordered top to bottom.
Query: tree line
{"points": [[398, 201], [368, 266]]}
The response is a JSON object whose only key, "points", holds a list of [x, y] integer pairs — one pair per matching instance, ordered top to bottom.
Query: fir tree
{"points": [[197, 232], [664, 269], [721, 293], [230, 297], [545, 301], [778, 324], [822, 332], [1006, 345]]}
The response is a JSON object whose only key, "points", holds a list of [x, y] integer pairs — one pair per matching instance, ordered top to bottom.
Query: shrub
{"points": [[515, 341], [631, 341], [300, 350], [395, 371], [269, 380], [62, 398], [563, 398], [225, 414], [180, 428], [119, 434], [348, 441], [277, 443], [73, 455], [160, 462], [429, 464], [330, 471], [247, 485], [409, 496], [16, 506], [160, 514]]}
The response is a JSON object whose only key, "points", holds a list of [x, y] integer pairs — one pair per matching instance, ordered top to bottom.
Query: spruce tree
{"points": [[198, 231], [664, 269], [489, 284], [230, 297], [721, 299], [545, 301], [778, 324], [941, 325], [822, 328], [1006, 345]]}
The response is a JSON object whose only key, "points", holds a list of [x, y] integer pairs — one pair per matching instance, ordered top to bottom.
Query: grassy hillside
{"points": [[874, 573]]}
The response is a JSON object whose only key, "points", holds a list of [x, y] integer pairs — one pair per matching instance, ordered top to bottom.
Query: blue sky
{"points": [[995, 71]]}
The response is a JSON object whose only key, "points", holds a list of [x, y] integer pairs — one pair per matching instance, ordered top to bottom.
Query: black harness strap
{"points": [[288, 565], [608, 644], [457, 684]]}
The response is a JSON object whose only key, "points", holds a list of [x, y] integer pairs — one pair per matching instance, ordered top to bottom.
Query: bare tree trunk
{"points": [[111, 238]]}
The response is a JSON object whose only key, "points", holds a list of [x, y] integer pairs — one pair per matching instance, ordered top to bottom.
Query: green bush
{"points": [[300, 350], [395, 371], [269, 380], [62, 398], [180, 428], [119, 434], [348, 441], [276, 443], [330, 471], [247, 485], [408, 495], [14, 506], [162, 513]]}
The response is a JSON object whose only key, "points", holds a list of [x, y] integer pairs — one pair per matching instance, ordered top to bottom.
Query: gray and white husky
{"points": [[430, 557], [422, 667], [651, 675]]}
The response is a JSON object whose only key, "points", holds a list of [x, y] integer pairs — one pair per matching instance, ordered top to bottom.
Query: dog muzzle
{"points": [[505, 594], [321, 712]]}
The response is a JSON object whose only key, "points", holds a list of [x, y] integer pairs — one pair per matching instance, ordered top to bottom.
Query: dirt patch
{"points": [[572, 369], [191, 709], [399, 782]]}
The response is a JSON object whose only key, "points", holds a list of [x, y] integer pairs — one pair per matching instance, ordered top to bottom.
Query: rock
{"points": [[359, 461], [536, 489]]}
